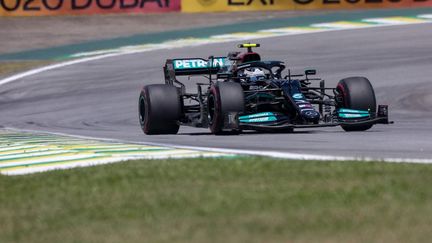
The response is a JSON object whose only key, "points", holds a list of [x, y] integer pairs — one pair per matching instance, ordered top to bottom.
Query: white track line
{"points": [[269, 153], [275, 154]]}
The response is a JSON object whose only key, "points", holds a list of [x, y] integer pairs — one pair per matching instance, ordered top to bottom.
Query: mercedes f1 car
{"points": [[241, 92]]}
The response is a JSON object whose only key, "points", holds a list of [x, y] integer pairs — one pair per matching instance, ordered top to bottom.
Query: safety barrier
{"points": [[251, 5], [75, 7]]}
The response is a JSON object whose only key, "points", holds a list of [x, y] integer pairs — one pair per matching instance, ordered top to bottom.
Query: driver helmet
{"points": [[254, 74]]}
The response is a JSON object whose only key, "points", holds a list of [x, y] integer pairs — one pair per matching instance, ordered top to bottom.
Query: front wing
{"points": [[233, 121]]}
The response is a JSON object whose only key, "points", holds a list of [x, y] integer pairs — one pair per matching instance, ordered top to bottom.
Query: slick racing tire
{"points": [[356, 93], [224, 97], [159, 109]]}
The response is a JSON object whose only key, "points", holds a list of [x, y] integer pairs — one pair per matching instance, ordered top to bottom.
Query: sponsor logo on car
{"points": [[197, 63], [262, 114], [259, 117]]}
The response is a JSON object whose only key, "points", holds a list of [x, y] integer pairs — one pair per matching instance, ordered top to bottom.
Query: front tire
{"points": [[356, 93], [223, 97], [159, 109]]}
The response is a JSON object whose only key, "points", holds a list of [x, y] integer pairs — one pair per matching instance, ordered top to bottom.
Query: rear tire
{"points": [[356, 93], [224, 97], [159, 109]]}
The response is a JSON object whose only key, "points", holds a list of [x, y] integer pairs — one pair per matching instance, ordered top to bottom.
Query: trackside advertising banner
{"points": [[250, 5], [73, 7]]}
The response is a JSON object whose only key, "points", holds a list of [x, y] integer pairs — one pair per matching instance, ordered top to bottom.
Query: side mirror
{"points": [[233, 55], [310, 72], [224, 75]]}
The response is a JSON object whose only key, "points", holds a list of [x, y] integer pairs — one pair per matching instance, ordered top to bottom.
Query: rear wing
{"points": [[192, 66]]}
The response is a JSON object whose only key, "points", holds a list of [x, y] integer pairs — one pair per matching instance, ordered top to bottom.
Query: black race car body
{"points": [[242, 92]]}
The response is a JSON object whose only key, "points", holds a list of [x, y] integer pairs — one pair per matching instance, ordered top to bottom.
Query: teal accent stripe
{"points": [[353, 111], [258, 115], [350, 115], [260, 119]]}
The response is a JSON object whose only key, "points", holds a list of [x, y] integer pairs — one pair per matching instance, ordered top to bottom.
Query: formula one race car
{"points": [[242, 92]]}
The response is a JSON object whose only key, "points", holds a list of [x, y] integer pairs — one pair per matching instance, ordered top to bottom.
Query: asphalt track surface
{"points": [[99, 98]]}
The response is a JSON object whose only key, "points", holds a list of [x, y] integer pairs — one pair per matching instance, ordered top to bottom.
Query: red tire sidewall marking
{"points": [[344, 94], [217, 108], [147, 109]]}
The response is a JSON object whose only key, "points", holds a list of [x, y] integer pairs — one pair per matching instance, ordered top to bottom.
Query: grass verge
{"points": [[220, 200]]}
